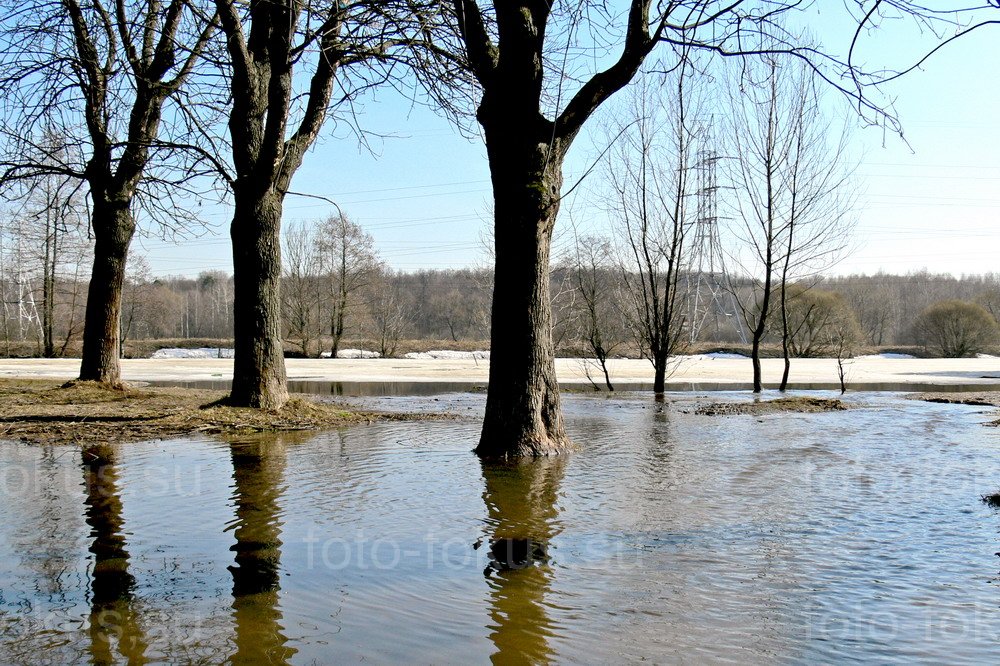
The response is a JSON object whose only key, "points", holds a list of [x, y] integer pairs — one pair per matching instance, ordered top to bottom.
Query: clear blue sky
{"points": [[425, 195]]}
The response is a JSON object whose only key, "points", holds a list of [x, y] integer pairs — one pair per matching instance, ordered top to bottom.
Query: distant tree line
{"points": [[335, 288]]}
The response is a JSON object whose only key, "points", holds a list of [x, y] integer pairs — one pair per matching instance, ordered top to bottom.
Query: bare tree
{"points": [[109, 70], [650, 172], [790, 212], [53, 213], [819, 216], [51, 224], [350, 264], [301, 291], [135, 294], [876, 306], [387, 313], [597, 315], [844, 336]]}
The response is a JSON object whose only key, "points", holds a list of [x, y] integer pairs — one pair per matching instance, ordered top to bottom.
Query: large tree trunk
{"points": [[113, 229], [259, 364], [523, 414]]}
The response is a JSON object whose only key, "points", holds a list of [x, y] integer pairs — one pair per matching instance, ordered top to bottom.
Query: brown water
{"points": [[667, 537]]}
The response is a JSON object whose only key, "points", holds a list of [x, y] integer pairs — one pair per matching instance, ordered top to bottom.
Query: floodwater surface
{"points": [[667, 536]]}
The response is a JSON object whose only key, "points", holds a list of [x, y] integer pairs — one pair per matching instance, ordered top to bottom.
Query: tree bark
{"points": [[113, 230], [49, 282], [337, 317], [761, 326], [786, 355], [259, 363], [660, 372], [523, 414]]}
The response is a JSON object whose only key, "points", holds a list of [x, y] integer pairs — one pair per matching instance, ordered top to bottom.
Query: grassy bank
{"points": [[42, 411]]}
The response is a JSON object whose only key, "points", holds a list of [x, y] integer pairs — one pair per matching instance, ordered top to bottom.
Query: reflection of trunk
{"points": [[113, 229], [259, 365], [523, 416], [258, 475], [521, 501], [112, 616]]}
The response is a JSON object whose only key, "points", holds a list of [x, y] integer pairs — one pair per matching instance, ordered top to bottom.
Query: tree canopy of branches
{"points": [[99, 76]]}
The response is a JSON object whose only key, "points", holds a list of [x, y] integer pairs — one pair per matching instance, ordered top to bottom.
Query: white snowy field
{"points": [[700, 369]]}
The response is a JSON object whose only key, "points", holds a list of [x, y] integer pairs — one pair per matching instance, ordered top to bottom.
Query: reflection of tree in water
{"points": [[258, 475], [521, 502], [47, 544], [113, 619]]}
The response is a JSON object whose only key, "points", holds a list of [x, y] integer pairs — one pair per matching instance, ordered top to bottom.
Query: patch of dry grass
{"points": [[978, 398], [758, 408], [87, 412]]}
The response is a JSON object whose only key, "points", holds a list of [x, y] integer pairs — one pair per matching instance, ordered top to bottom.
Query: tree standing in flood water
{"points": [[522, 57]]}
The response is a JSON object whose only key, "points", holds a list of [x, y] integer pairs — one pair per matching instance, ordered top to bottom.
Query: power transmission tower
{"points": [[709, 296], [21, 298]]}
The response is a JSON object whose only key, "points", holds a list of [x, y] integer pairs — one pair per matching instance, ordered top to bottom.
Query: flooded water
{"points": [[408, 389], [668, 536]]}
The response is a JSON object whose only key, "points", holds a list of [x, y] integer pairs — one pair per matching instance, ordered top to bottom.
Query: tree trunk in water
{"points": [[113, 230], [759, 330], [784, 336], [755, 359], [259, 363], [659, 373], [607, 375], [523, 413]]}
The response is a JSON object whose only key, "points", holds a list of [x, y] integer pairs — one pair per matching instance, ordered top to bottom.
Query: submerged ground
{"points": [[669, 535]]}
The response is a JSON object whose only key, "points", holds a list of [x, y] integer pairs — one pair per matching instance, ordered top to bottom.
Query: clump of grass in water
{"points": [[992, 500]]}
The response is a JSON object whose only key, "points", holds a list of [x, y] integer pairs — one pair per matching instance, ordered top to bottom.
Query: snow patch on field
{"points": [[200, 352], [353, 353], [446, 354], [715, 355], [887, 355]]}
